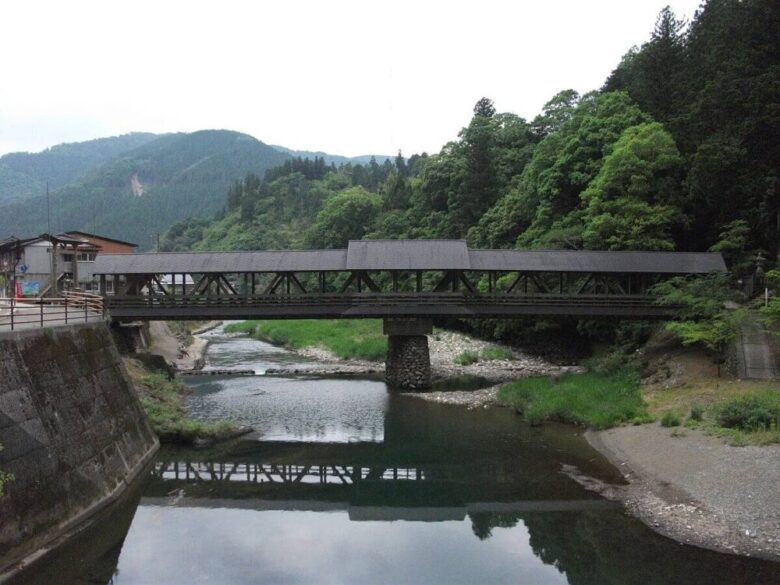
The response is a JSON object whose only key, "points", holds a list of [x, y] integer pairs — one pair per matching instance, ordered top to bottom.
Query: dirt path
{"points": [[166, 344], [755, 355], [697, 489]]}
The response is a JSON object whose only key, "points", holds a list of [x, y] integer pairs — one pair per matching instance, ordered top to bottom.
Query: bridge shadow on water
{"points": [[436, 464]]}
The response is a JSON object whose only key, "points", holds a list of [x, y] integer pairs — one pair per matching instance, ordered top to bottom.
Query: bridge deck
{"points": [[370, 305]]}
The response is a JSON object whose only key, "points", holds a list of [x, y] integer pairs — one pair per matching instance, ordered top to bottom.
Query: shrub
{"points": [[496, 353], [467, 358], [697, 412], [755, 412], [670, 419]]}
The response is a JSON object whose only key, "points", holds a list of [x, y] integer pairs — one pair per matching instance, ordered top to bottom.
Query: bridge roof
{"points": [[410, 255], [597, 261], [221, 262]]}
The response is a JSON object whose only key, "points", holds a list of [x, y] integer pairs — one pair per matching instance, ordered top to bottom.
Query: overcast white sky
{"points": [[345, 77]]}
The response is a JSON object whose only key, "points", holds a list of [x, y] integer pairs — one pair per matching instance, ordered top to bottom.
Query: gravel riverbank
{"points": [[444, 347], [695, 488]]}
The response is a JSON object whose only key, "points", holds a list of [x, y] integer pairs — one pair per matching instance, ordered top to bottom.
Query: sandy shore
{"points": [[695, 488]]}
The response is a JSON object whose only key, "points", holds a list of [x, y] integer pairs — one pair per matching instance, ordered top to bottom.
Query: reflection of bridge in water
{"points": [[283, 473], [346, 476]]}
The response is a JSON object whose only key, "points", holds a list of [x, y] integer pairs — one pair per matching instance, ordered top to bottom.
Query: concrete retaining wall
{"points": [[73, 431]]}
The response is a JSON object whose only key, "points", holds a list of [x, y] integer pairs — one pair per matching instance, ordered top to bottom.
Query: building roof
{"points": [[99, 237], [411, 255]]}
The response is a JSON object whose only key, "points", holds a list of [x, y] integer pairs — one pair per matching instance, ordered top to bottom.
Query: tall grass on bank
{"points": [[347, 338], [597, 399], [163, 401]]}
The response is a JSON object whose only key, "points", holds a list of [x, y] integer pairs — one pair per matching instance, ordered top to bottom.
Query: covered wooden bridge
{"points": [[391, 278], [405, 282]]}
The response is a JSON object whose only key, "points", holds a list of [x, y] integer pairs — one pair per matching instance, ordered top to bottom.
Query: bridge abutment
{"points": [[408, 364]]}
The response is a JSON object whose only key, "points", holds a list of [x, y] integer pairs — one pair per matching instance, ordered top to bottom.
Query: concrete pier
{"points": [[408, 364]]}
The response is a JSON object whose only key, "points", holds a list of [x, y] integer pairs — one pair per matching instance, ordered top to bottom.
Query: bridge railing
{"points": [[375, 299], [71, 307]]}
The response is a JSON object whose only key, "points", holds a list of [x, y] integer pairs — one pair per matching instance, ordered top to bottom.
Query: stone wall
{"points": [[408, 363], [73, 431]]}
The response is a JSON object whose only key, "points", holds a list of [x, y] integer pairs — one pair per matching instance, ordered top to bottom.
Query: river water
{"points": [[346, 482]]}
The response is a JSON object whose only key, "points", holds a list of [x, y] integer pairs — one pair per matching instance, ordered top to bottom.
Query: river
{"points": [[347, 482]]}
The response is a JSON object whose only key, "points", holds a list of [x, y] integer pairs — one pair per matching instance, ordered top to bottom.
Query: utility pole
{"points": [[48, 210]]}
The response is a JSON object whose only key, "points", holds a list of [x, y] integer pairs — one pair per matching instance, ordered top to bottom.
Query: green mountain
{"points": [[334, 158], [23, 174], [144, 190]]}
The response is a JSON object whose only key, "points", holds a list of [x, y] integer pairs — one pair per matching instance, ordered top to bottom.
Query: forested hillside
{"points": [[678, 151], [332, 158], [23, 174], [147, 189]]}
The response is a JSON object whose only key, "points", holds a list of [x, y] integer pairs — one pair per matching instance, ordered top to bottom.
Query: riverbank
{"points": [[444, 347], [182, 352], [162, 397], [696, 483], [696, 489]]}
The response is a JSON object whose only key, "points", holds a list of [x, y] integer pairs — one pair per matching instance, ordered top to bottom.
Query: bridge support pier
{"points": [[408, 364]]}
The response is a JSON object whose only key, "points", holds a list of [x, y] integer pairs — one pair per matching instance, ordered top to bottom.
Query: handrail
{"points": [[72, 307]]}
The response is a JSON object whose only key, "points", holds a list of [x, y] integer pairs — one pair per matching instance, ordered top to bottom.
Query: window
{"points": [[87, 256], [67, 257]]}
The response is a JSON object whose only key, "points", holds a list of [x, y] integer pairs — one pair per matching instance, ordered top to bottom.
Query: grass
{"points": [[346, 338], [495, 352], [467, 358], [597, 399], [163, 400], [739, 411], [759, 411], [670, 419]]}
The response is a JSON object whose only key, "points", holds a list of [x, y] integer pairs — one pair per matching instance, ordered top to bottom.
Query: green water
{"points": [[345, 482]]}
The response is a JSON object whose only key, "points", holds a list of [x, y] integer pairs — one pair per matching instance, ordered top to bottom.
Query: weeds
{"points": [[347, 338], [495, 352], [467, 358], [596, 399], [759, 411], [670, 419]]}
